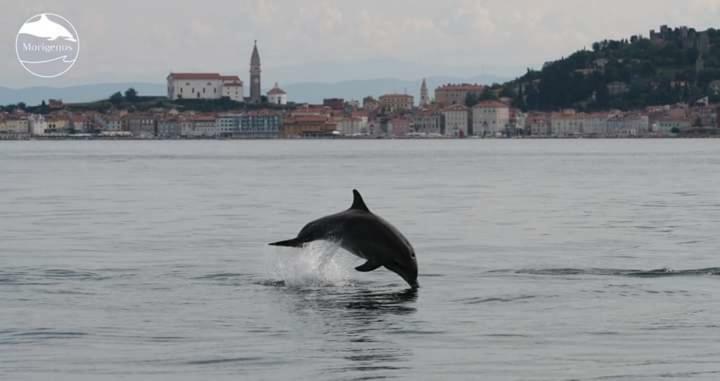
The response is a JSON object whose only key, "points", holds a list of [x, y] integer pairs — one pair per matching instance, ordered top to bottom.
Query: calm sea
{"points": [[539, 260]]}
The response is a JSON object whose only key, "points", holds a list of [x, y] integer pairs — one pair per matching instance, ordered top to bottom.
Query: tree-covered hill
{"points": [[674, 65]]}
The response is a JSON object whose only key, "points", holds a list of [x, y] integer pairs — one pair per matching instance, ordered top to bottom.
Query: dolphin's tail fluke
{"points": [[289, 243]]}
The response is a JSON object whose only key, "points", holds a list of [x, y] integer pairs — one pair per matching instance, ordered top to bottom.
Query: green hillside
{"points": [[674, 65]]}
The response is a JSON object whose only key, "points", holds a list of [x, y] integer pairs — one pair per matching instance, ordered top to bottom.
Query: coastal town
{"points": [[214, 106]]}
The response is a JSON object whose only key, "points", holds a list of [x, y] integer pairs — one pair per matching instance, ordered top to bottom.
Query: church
{"points": [[215, 86]]}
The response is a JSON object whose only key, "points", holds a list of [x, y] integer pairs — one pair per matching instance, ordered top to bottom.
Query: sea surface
{"points": [[539, 260]]}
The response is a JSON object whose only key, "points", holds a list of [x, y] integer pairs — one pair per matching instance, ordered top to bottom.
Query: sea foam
{"points": [[319, 263]]}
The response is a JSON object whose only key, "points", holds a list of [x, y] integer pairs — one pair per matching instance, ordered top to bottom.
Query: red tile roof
{"points": [[196, 76], [461, 87], [491, 104]]}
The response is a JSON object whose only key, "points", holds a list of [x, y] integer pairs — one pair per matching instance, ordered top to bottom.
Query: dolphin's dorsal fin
{"points": [[358, 203]]}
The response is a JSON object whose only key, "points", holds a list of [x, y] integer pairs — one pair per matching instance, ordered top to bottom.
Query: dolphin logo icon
{"points": [[48, 29]]}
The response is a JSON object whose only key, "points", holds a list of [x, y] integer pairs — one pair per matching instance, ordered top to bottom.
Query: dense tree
{"points": [[654, 73], [131, 95], [116, 98]]}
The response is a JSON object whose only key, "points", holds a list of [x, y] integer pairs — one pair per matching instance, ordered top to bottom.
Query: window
{"points": [[193, 90]]}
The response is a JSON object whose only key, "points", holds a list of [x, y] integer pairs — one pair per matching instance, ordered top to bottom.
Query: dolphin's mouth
{"points": [[410, 281]]}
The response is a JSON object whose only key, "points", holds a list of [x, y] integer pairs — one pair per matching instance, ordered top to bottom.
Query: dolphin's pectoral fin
{"points": [[368, 266]]}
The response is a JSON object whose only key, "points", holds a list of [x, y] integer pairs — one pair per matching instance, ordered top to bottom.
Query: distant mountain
{"points": [[312, 92]]}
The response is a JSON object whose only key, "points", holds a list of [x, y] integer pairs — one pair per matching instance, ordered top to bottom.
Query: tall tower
{"points": [[255, 96], [424, 99]]}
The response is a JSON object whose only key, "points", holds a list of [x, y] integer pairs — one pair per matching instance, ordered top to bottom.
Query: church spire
{"points": [[255, 58], [255, 85], [424, 98]]}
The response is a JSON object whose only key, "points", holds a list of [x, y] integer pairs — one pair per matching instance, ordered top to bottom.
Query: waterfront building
{"points": [[255, 70], [204, 86], [456, 94], [277, 96], [424, 98], [396, 102], [703, 116], [490, 118], [455, 121], [309, 122], [80, 123], [109, 123], [427, 123], [57, 124], [538, 124], [565, 124], [595, 124], [38, 125], [141, 125], [227, 125], [253, 125], [260, 125], [354, 125], [516, 125], [628, 125], [669, 125], [199, 126], [14, 127], [398, 127], [168, 128]]}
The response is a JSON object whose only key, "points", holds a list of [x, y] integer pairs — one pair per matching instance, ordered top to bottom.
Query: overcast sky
{"points": [[326, 40]]}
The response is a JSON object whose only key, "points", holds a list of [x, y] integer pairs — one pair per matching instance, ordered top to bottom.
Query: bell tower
{"points": [[255, 86]]}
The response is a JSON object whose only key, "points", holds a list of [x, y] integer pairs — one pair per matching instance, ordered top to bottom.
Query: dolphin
{"points": [[48, 29], [366, 235]]}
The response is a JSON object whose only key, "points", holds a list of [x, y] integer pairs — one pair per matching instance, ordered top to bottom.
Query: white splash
{"points": [[319, 263]]}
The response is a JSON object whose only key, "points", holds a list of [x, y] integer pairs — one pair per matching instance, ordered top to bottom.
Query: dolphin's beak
{"points": [[288, 243], [413, 284]]}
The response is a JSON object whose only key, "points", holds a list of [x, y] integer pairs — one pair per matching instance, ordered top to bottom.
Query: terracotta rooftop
{"points": [[196, 76], [461, 87], [276, 90], [491, 104], [455, 107]]}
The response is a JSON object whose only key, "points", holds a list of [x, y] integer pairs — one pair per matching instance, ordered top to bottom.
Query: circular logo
{"points": [[47, 45]]}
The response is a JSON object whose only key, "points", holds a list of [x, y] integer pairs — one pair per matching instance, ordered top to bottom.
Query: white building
{"points": [[204, 86], [277, 96], [490, 118], [455, 120], [538, 124], [595, 124], [38, 125], [353, 125], [628, 125], [199, 126], [14, 127]]}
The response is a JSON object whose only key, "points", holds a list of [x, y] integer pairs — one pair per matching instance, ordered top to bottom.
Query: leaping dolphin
{"points": [[366, 235]]}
